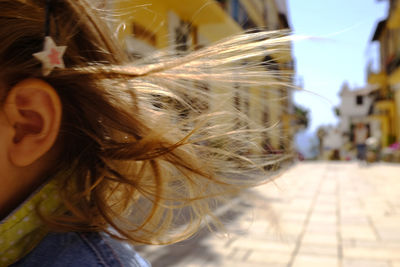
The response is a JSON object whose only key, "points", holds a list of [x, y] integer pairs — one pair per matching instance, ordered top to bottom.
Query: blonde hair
{"points": [[147, 151]]}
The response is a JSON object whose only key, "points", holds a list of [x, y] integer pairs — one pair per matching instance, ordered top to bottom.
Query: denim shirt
{"points": [[82, 249]]}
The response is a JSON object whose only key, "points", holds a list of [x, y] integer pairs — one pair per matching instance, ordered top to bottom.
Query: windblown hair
{"points": [[148, 146]]}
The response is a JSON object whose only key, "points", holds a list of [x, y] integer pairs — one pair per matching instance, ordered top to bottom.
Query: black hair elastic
{"points": [[48, 10]]}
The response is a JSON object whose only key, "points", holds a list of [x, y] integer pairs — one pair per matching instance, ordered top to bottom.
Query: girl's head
{"points": [[52, 121], [138, 142]]}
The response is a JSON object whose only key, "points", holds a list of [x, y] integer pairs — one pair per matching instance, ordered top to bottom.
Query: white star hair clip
{"points": [[50, 56]]}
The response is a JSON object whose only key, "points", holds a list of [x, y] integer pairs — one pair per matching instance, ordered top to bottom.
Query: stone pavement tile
{"points": [[328, 186], [327, 189], [305, 193], [305, 196], [348, 196], [325, 199], [345, 199], [300, 203], [347, 204], [278, 207], [296, 208], [325, 208], [347, 208], [351, 212], [297, 217], [323, 218], [354, 219], [320, 220], [386, 221], [290, 228], [322, 228], [237, 230], [263, 231], [357, 232], [389, 234], [276, 237], [281, 238], [321, 239], [219, 241], [254, 244], [381, 244], [318, 250], [151, 252], [222, 252], [371, 253], [239, 254], [196, 256], [268, 256], [199, 259], [302, 260], [196, 262], [231, 263], [364, 263], [190, 264]]}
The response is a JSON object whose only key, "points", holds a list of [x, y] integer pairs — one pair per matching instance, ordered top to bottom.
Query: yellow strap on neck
{"points": [[22, 230]]}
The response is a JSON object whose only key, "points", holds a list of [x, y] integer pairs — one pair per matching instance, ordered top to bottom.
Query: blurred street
{"points": [[316, 214]]}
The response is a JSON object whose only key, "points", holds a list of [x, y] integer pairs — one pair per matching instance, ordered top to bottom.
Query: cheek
{"points": [[5, 139]]}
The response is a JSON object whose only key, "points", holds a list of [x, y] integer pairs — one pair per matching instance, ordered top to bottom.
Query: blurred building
{"points": [[156, 24], [148, 25], [385, 74], [357, 106], [277, 109], [331, 146]]}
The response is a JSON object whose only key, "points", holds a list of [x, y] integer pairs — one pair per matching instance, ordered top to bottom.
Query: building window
{"points": [[223, 3], [235, 10], [143, 34], [182, 34], [269, 63], [359, 100]]}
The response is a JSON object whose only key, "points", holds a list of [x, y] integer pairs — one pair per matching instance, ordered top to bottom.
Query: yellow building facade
{"points": [[155, 21], [148, 25], [393, 58], [387, 77], [270, 105]]}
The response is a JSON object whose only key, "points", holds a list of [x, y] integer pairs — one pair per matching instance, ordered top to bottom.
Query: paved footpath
{"points": [[316, 214]]}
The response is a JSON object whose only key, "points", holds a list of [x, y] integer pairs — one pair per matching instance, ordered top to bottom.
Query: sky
{"points": [[337, 49]]}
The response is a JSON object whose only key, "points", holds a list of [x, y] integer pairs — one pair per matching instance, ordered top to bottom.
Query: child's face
{"points": [[5, 138], [8, 180]]}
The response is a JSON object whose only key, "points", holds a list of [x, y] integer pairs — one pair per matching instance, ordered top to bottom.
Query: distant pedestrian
{"points": [[360, 138]]}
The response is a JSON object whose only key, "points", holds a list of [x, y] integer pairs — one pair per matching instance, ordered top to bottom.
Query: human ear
{"points": [[34, 109]]}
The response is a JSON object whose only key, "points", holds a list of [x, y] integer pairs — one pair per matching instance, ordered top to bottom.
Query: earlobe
{"points": [[34, 109]]}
